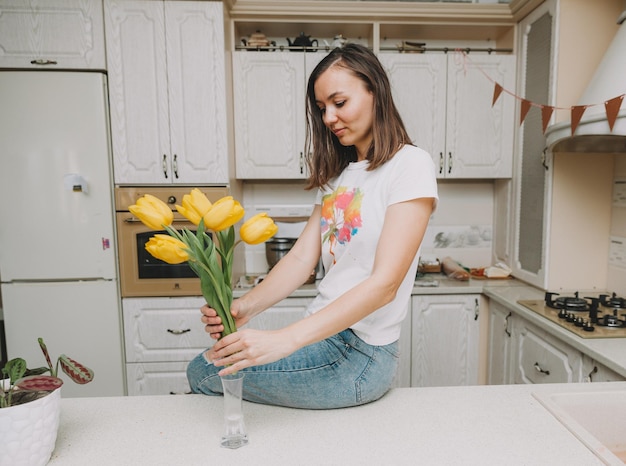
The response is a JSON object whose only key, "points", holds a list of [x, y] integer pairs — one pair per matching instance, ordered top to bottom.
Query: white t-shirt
{"points": [[353, 212]]}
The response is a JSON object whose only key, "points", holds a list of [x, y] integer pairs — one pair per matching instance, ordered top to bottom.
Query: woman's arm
{"points": [[403, 230], [286, 276]]}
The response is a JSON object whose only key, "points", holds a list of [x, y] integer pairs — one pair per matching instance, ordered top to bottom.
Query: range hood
{"points": [[593, 133]]}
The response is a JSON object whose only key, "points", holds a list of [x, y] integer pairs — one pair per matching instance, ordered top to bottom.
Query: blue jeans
{"points": [[338, 372]]}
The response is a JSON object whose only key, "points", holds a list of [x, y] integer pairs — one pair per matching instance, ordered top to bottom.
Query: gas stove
{"points": [[593, 316]]}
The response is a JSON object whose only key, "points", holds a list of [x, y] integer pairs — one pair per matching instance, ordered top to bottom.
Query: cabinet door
{"points": [[135, 33], [51, 34], [418, 84], [196, 90], [269, 101], [479, 136], [281, 314], [445, 340], [499, 345], [540, 358], [595, 372], [157, 378]]}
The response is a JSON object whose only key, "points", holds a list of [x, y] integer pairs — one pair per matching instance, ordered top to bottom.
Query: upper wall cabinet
{"points": [[51, 34], [167, 91], [269, 95], [445, 101]]}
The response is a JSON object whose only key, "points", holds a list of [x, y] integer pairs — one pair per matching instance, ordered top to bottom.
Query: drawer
{"points": [[164, 334], [543, 359], [157, 378]]}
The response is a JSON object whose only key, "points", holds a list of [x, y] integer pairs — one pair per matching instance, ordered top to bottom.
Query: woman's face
{"points": [[347, 108]]}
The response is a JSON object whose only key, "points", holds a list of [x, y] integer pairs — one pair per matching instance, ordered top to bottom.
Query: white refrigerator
{"points": [[58, 269]]}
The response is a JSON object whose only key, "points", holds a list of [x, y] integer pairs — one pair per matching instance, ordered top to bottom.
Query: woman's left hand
{"points": [[249, 347]]}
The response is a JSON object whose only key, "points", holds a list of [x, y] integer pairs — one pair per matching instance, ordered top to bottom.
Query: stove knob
{"points": [[562, 314], [569, 317], [579, 321], [588, 326]]}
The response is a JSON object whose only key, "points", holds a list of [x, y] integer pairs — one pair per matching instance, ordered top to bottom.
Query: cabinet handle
{"points": [[43, 61], [449, 162], [301, 163], [440, 163], [165, 166], [175, 166], [476, 309], [506, 325], [178, 332], [540, 370], [590, 376], [181, 393]]}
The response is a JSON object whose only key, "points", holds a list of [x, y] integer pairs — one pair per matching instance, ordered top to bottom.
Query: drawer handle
{"points": [[43, 61], [178, 332], [539, 369], [181, 393]]}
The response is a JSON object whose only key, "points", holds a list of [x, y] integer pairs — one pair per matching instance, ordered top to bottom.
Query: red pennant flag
{"points": [[497, 90], [612, 107], [524, 110], [546, 113], [577, 114]]}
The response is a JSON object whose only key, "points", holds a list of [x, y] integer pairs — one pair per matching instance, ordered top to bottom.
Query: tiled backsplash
{"points": [[461, 227]]}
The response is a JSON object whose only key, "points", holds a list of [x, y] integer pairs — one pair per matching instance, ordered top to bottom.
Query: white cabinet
{"points": [[51, 34], [167, 91], [446, 105], [269, 107], [163, 334], [445, 340], [540, 358], [499, 371], [595, 372], [403, 376]]}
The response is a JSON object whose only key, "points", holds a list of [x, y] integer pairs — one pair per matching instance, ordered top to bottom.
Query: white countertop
{"points": [[478, 425]]}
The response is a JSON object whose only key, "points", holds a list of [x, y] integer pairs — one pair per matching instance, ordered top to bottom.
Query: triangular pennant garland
{"points": [[497, 90], [612, 107], [524, 110], [546, 113], [577, 114]]}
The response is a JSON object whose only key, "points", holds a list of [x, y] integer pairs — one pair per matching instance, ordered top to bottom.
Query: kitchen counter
{"points": [[611, 352], [477, 425]]}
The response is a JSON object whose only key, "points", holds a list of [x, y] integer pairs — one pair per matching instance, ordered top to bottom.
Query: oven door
{"points": [[144, 275]]}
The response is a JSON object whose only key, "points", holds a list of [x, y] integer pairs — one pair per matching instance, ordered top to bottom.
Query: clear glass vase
{"points": [[235, 434]]}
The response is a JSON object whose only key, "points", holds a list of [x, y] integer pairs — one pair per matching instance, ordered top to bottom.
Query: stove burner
{"points": [[613, 301], [567, 303]]}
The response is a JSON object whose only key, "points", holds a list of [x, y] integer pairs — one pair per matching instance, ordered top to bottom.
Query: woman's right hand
{"points": [[213, 323]]}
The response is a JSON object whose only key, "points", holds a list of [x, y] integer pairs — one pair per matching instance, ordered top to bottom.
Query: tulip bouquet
{"points": [[211, 261]]}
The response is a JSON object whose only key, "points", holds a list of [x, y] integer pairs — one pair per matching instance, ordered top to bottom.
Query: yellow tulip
{"points": [[195, 205], [152, 211], [223, 214], [258, 229], [167, 248]]}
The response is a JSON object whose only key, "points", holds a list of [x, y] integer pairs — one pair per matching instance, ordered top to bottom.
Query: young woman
{"points": [[376, 193]]}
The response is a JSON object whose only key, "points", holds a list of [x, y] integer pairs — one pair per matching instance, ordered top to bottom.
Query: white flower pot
{"points": [[28, 432]]}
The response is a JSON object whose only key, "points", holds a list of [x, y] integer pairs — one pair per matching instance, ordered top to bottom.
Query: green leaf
{"points": [[15, 369]]}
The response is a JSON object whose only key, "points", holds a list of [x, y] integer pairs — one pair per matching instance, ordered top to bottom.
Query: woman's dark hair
{"points": [[326, 157]]}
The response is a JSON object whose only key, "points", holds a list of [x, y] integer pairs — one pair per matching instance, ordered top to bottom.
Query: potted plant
{"points": [[30, 404]]}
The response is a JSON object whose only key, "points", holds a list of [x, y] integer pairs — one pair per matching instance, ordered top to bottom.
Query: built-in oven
{"points": [[141, 274]]}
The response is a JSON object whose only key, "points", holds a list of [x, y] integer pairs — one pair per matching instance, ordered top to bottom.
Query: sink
{"points": [[596, 416]]}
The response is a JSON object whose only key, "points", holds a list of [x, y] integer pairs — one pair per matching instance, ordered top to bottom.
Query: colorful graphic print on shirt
{"points": [[341, 216]]}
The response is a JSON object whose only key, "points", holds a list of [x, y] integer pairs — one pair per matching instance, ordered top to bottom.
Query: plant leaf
{"points": [[46, 354], [75, 370], [38, 383]]}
